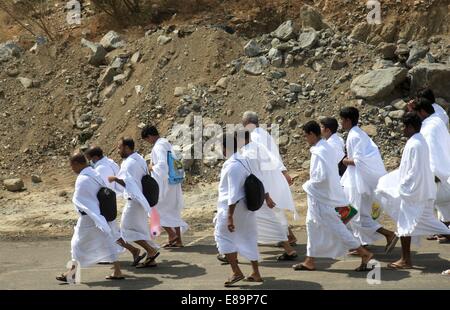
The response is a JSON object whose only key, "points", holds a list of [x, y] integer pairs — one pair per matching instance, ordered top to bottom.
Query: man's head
{"points": [[426, 93], [423, 107], [349, 117], [250, 119], [412, 124], [328, 126], [311, 132], [150, 134], [242, 137], [229, 145], [125, 147], [94, 154], [78, 162]]}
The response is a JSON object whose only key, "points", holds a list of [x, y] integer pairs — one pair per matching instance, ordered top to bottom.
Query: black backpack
{"points": [[150, 189], [255, 193], [108, 203]]}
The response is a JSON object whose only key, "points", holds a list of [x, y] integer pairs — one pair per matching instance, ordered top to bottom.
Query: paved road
{"points": [[33, 265]]}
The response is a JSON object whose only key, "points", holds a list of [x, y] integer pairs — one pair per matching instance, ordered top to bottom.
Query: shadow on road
{"points": [[173, 269], [130, 283], [271, 283]]}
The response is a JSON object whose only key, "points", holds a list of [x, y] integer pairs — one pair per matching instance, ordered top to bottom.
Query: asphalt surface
{"points": [[34, 265]]}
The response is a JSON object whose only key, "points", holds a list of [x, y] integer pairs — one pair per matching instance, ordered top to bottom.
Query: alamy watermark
{"points": [[73, 16], [374, 16], [374, 276]]}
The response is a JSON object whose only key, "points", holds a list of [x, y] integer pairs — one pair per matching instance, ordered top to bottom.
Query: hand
{"points": [[348, 162], [288, 178], [112, 179], [270, 203], [231, 227]]}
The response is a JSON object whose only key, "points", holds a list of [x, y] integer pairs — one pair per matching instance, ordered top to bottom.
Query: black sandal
{"points": [[287, 257], [138, 259], [302, 267], [363, 268], [62, 278]]}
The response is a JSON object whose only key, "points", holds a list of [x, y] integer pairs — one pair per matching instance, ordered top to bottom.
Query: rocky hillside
{"points": [[291, 62]]}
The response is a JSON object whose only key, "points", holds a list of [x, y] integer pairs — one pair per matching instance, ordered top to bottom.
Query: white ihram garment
{"points": [[231, 191], [170, 203], [327, 234]]}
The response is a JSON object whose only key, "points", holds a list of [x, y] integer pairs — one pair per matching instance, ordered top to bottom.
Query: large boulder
{"points": [[311, 18], [285, 31], [360, 32], [308, 38], [111, 41], [9, 49], [252, 49], [98, 52], [415, 54], [255, 66], [435, 75], [377, 84], [13, 185]]}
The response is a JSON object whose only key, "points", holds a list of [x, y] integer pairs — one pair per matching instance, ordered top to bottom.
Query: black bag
{"points": [[342, 168], [150, 189], [255, 193], [108, 203]]}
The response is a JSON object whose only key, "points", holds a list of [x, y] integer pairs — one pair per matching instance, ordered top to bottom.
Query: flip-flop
{"points": [[433, 237], [443, 240], [391, 245], [287, 257], [152, 258], [138, 259], [104, 263], [147, 264], [394, 266], [299, 267], [363, 268], [446, 272], [62, 278], [115, 278], [251, 279], [234, 280]]}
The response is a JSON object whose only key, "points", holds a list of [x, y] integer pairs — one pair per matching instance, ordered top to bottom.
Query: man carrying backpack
{"points": [[107, 167], [170, 201], [135, 225], [92, 241]]}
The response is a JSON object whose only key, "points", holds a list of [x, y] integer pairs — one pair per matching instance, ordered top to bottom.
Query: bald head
{"points": [[250, 118]]}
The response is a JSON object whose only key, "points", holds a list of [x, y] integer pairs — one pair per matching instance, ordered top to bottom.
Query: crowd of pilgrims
{"points": [[346, 175]]}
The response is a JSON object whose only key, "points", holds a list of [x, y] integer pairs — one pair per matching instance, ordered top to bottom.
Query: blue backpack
{"points": [[176, 169]]}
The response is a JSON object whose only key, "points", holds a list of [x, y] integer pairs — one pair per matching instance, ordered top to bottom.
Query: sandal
{"points": [[433, 237], [442, 240], [391, 245], [287, 257], [138, 259], [147, 264], [300, 266], [394, 266], [363, 268], [446, 272], [62, 278], [115, 278], [252, 279], [233, 280]]}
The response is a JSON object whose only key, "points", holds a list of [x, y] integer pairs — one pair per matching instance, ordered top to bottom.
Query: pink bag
{"points": [[155, 224]]}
